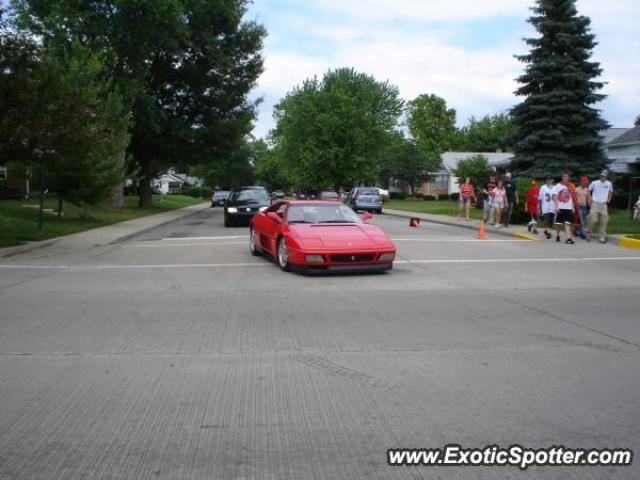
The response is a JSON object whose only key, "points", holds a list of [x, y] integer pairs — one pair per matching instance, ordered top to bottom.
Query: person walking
{"points": [[487, 190], [601, 193], [466, 194], [582, 196], [512, 198], [531, 200], [563, 201], [500, 202], [547, 206]]}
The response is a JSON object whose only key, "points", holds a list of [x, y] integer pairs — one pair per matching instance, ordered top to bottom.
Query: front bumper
{"points": [[240, 218], [342, 268]]}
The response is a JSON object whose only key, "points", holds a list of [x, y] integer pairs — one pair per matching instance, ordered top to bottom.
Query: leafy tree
{"points": [[184, 68], [58, 117], [637, 122], [431, 123], [557, 127], [328, 132], [489, 134], [407, 162], [475, 167], [269, 168], [232, 170]]}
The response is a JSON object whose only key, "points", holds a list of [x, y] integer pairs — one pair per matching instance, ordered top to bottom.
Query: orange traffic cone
{"points": [[414, 222], [481, 230]]}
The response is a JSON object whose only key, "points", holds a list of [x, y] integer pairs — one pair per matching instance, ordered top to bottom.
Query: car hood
{"points": [[341, 236]]}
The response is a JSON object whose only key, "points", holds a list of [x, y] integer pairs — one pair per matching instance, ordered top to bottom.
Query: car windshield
{"points": [[368, 191], [221, 194], [255, 195], [329, 195], [319, 213]]}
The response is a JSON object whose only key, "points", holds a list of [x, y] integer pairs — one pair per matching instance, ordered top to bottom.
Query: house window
{"points": [[440, 181]]}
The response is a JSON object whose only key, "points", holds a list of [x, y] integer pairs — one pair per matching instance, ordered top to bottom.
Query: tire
{"points": [[379, 211], [227, 223], [255, 251], [283, 262]]}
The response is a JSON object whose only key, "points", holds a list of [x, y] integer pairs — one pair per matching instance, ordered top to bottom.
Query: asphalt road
{"points": [[178, 355]]}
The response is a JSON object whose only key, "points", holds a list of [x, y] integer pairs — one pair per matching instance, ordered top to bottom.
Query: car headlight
{"points": [[262, 209], [232, 210], [387, 256], [314, 258]]}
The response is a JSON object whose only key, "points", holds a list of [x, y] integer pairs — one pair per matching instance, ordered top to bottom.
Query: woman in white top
{"points": [[500, 202]]}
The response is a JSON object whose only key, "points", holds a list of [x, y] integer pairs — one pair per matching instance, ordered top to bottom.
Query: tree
{"points": [[184, 68], [58, 118], [431, 123], [636, 123], [557, 127], [328, 132], [489, 134], [407, 162], [475, 167], [269, 168]]}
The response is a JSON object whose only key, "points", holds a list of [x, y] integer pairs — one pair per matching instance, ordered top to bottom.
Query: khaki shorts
{"points": [[598, 208]]}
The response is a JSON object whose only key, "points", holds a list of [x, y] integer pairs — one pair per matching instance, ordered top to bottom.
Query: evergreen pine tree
{"points": [[557, 127]]}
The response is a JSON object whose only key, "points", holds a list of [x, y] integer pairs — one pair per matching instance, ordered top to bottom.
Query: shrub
{"points": [[197, 192], [397, 195], [454, 196], [430, 197]]}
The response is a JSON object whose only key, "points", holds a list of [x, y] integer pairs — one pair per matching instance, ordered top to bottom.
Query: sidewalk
{"points": [[519, 231], [107, 235]]}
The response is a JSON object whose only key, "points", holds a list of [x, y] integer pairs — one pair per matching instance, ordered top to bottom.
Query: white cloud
{"points": [[380, 37]]}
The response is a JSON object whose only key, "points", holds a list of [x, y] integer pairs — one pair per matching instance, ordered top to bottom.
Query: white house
{"points": [[622, 146], [172, 182], [446, 183]]}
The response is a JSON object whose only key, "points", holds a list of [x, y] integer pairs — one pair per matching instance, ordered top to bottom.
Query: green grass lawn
{"points": [[440, 207], [18, 219], [619, 221]]}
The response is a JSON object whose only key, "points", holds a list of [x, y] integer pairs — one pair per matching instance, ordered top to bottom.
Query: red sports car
{"points": [[320, 236]]}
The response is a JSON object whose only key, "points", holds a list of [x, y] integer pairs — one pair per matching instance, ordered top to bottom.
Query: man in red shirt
{"points": [[531, 204]]}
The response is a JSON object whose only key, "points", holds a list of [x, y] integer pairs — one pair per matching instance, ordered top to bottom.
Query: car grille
{"points": [[352, 257]]}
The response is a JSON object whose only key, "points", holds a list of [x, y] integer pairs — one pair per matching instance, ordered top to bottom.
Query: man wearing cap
{"points": [[601, 192], [582, 195]]}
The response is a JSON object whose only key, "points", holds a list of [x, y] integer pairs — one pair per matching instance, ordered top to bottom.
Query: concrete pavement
{"points": [[176, 354]]}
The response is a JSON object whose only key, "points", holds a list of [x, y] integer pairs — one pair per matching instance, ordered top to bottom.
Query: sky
{"points": [[461, 50]]}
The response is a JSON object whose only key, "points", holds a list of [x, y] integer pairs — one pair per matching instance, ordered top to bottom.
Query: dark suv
{"points": [[243, 203]]}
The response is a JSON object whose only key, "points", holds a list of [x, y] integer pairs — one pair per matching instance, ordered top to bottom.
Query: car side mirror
{"points": [[366, 216], [274, 217]]}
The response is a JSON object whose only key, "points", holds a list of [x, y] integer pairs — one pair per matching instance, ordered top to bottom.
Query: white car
{"points": [[383, 193]]}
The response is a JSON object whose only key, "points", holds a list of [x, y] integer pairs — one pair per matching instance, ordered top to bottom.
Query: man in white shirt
{"points": [[601, 191], [547, 207], [564, 207]]}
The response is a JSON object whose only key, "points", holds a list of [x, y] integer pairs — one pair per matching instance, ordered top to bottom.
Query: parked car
{"points": [[277, 195], [329, 196], [218, 198], [365, 198], [243, 203], [320, 236]]}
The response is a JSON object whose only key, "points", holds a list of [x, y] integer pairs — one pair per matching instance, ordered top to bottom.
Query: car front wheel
{"points": [[255, 251], [283, 256]]}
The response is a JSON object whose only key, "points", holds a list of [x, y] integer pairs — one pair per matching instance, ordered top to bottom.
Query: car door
{"points": [[271, 228]]}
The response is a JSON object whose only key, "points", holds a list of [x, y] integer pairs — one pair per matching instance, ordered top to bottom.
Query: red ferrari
{"points": [[320, 236]]}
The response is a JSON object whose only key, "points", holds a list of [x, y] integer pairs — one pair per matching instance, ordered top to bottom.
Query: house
{"points": [[622, 147], [3, 172], [172, 182], [445, 182]]}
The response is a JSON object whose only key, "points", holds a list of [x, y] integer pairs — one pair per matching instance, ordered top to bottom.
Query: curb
{"points": [[430, 219], [144, 230], [525, 236], [629, 242], [31, 246]]}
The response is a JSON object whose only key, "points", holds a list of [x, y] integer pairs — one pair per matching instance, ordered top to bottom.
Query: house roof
{"points": [[610, 134], [632, 135], [450, 159], [172, 178]]}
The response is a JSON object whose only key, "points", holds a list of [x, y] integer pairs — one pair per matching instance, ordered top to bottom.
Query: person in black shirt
{"points": [[512, 197]]}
